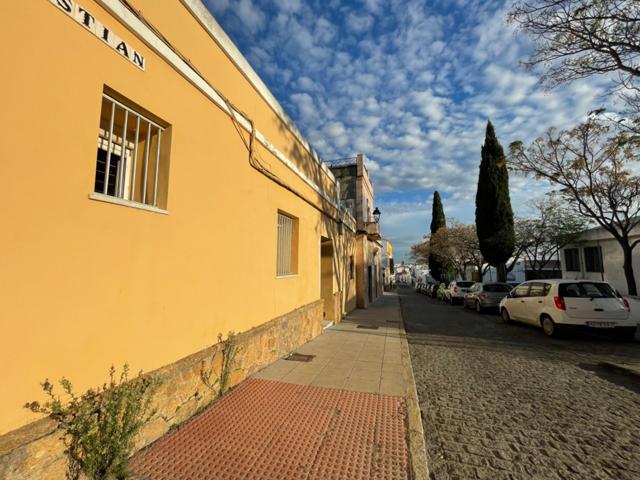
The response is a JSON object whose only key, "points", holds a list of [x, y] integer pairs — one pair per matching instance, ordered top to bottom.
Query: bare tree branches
{"points": [[579, 38], [590, 166], [540, 238]]}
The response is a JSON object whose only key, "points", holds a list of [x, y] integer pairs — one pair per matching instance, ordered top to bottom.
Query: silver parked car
{"points": [[482, 296]]}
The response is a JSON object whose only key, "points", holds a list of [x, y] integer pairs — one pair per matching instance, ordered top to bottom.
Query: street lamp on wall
{"points": [[376, 215]]}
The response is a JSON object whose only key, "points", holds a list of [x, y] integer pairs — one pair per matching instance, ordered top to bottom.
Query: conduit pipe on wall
{"points": [[154, 39]]}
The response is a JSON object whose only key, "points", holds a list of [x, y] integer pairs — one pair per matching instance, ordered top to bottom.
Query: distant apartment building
{"points": [[356, 193], [138, 195], [596, 255]]}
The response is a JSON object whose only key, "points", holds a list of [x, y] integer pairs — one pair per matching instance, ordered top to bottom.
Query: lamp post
{"points": [[376, 215]]}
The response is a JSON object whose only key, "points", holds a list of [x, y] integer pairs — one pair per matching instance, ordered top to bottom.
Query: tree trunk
{"points": [[628, 270], [501, 272]]}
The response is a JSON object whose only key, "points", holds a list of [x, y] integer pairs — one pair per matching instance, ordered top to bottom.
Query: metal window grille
{"points": [[128, 159], [285, 245]]}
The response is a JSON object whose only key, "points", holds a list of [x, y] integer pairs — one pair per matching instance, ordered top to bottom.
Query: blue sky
{"points": [[410, 84]]}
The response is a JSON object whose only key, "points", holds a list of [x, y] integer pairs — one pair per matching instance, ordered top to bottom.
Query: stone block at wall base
{"points": [[36, 450]]}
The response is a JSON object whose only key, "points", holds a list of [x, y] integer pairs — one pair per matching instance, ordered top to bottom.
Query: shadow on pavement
{"points": [[609, 375]]}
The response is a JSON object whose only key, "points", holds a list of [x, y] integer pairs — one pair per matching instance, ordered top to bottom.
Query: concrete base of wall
{"points": [[36, 451]]}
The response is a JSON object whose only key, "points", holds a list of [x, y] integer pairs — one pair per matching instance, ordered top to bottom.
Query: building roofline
{"points": [[208, 22]]}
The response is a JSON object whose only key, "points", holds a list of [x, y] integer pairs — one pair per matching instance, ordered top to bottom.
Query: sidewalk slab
{"points": [[362, 353], [347, 413]]}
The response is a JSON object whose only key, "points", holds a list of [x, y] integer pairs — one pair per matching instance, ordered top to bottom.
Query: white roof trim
{"points": [[213, 28], [144, 33]]}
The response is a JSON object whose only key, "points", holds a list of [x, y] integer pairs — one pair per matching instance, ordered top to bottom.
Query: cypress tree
{"points": [[437, 214], [494, 217], [437, 222]]}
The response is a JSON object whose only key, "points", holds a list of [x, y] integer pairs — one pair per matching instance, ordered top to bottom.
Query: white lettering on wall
{"points": [[104, 33]]}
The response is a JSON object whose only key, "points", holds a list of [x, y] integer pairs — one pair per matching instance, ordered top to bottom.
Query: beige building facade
{"points": [[148, 169], [357, 194]]}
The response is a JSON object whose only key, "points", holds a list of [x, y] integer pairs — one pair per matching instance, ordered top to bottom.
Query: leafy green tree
{"points": [[494, 217], [438, 221]]}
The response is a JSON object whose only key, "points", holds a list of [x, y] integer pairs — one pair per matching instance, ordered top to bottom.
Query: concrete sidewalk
{"points": [[362, 353], [343, 406]]}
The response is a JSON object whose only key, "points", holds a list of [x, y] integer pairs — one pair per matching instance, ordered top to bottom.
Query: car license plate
{"points": [[601, 324]]}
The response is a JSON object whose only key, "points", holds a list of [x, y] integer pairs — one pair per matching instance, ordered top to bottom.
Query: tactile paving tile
{"points": [[265, 429]]}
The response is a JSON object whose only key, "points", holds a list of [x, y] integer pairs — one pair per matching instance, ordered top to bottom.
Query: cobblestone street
{"points": [[503, 401]]}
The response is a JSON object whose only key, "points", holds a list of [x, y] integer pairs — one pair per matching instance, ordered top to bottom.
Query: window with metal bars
{"points": [[132, 161], [287, 255]]}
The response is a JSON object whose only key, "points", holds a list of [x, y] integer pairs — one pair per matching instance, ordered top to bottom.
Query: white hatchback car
{"points": [[552, 304]]}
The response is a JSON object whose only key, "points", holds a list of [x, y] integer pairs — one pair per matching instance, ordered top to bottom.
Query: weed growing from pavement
{"points": [[101, 424]]}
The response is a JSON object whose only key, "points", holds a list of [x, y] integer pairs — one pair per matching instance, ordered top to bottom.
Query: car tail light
{"points": [[482, 296], [559, 301], [626, 304]]}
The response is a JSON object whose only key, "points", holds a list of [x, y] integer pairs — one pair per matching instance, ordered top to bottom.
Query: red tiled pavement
{"points": [[265, 429]]}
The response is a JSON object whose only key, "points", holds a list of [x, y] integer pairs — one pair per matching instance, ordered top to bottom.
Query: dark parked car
{"points": [[482, 296]]}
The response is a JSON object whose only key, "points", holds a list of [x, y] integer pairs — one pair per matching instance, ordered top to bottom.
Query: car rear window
{"points": [[465, 284], [497, 288], [586, 290]]}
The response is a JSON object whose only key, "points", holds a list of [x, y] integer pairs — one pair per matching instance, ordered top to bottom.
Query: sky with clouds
{"points": [[409, 83]]}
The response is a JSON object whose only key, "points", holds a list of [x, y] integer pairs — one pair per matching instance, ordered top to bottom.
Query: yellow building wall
{"points": [[85, 284]]}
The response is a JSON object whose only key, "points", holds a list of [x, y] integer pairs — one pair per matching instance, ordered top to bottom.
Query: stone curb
{"points": [[627, 369], [417, 447]]}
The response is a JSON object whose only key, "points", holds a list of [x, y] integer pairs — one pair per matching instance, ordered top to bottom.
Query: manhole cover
{"points": [[368, 327], [299, 357]]}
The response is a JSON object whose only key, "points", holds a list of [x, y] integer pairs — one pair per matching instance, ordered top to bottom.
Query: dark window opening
{"points": [[114, 167], [572, 259], [593, 259]]}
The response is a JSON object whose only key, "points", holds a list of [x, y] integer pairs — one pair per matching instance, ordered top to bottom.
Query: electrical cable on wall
{"points": [[253, 161]]}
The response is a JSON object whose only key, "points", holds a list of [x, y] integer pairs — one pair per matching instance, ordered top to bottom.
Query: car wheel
{"points": [[479, 308], [505, 316], [548, 326]]}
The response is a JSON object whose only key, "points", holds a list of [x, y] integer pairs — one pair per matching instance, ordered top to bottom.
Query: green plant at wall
{"points": [[219, 382], [101, 424]]}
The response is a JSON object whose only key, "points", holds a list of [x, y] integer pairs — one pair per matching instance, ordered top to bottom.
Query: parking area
{"points": [[504, 401]]}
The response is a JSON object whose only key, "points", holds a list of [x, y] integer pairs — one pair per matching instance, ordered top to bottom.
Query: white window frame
{"points": [[113, 142]]}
